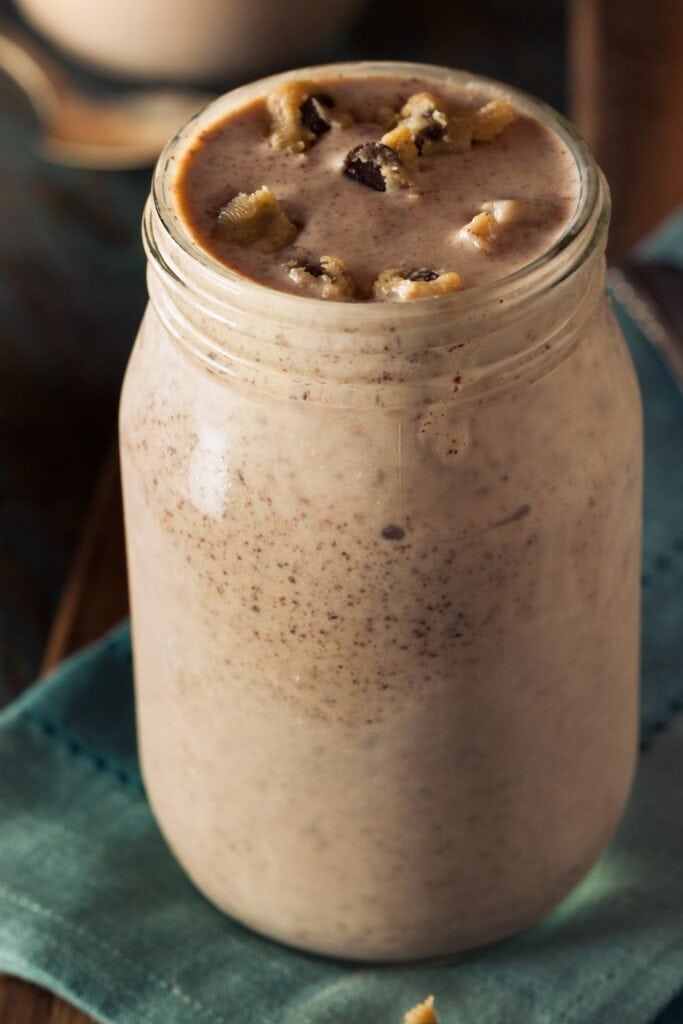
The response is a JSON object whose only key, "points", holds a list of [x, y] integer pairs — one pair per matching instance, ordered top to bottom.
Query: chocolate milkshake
{"points": [[392, 174], [382, 471]]}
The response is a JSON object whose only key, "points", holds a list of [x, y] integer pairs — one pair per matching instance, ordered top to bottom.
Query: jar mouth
{"points": [[584, 231]]}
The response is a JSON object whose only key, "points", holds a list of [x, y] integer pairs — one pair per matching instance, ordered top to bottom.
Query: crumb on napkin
{"points": [[423, 1013]]}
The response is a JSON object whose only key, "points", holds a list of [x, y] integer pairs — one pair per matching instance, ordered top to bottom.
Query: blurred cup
{"points": [[189, 40]]}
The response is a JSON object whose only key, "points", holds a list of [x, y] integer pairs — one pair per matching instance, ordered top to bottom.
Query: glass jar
{"points": [[384, 574]]}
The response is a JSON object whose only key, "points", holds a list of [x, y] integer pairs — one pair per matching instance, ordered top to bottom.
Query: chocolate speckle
{"points": [[514, 517], [393, 532]]}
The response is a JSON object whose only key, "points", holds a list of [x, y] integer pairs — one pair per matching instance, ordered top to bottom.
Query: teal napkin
{"points": [[93, 906]]}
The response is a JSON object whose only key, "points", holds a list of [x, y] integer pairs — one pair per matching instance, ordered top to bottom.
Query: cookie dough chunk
{"points": [[300, 114], [491, 119], [425, 128], [377, 166], [509, 212], [498, 219], [256, 221], [481, 232], [328, 279], [423, 283], [423, 1013]]}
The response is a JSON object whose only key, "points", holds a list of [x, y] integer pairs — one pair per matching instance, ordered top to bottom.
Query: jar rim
{"points": [[583, 232]]}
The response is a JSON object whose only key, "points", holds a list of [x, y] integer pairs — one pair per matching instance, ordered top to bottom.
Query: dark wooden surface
{"points": [[626, 86], [72, 292], [71, 296], [95, 595], [94, 598], [22, 1003]]}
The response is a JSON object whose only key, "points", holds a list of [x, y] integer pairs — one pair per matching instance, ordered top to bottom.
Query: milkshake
{"points": [[400, 174], [381, 453]]}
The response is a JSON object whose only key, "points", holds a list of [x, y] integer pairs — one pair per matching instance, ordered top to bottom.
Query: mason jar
{"points": [[384, 576]]}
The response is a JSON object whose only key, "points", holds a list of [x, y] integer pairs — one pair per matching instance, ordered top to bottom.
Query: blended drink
{"points": [[377, 176], [381, 452]]}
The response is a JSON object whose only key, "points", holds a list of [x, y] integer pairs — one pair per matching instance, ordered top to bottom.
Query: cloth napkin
{"points": [[93, 906]]}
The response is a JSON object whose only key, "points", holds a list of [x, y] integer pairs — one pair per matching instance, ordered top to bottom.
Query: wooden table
{"points": [[626, 83], [93, 600]]}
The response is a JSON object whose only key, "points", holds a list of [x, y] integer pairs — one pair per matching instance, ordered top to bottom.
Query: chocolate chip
{"points": [[313, 113], [433, 132], [367, 162], [314, 269], [422, 274], [393, 532]]}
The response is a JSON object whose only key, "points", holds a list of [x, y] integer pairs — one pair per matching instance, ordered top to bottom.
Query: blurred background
{"points": [[72, 286]]}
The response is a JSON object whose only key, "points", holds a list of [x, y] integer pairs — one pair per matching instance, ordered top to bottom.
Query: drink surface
{"points": [[377, 174]]}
